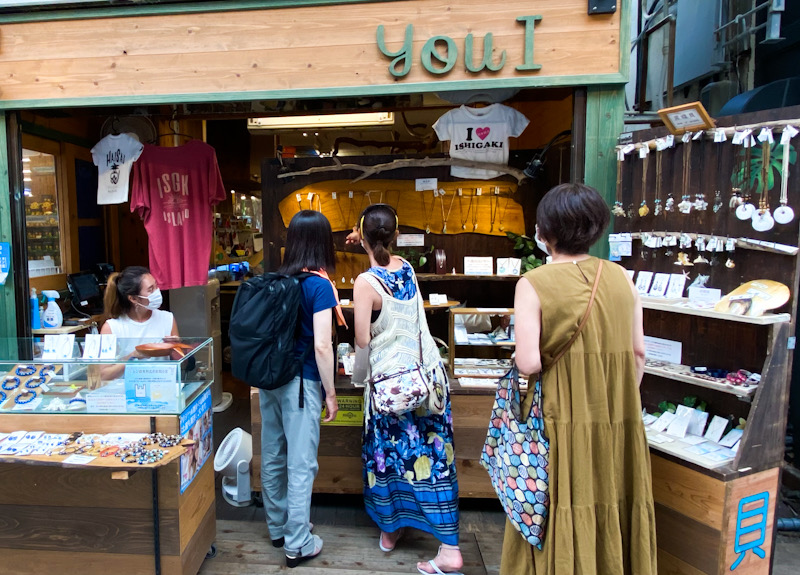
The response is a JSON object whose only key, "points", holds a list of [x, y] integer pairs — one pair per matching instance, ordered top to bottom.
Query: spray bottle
{"points": [[52, 316], [36, 322]]}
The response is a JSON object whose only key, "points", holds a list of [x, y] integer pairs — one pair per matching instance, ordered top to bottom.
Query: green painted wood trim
{"points": [[166, 9], [625, 39], [344, 91], [605, 107], [50, 134], [8, 313]]}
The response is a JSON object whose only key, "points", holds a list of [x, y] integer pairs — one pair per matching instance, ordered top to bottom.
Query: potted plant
{"points": [[524, 248]]}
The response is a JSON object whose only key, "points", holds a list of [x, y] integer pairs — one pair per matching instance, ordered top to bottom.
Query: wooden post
{"points": [[604, 109]]}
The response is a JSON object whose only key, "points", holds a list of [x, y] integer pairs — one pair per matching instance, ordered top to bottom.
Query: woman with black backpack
{"points": [[289, 428]]}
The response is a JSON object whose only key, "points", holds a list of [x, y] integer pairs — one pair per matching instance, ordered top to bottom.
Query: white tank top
{"points": [[158, 326]]}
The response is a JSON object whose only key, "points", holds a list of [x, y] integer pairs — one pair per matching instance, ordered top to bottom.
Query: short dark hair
{"points": [[572, 217], [378, 227], [309, 244]]}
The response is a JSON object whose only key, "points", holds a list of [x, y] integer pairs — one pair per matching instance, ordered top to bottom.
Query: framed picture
{"points": [[686, 117]]}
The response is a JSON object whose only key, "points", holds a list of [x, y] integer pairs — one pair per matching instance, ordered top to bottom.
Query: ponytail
{"points": [[379, 229], [382, 253], [121, 285], [111, 304]]}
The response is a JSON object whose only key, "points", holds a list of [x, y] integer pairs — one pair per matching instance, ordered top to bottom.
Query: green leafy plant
{"points": [[756, 163], [524, 248], [416, 258]]}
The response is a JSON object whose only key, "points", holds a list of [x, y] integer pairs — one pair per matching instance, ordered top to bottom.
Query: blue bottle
{"points": [[36, 322]]}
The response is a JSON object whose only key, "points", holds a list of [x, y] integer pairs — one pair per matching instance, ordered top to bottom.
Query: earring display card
{"points": [[643, 281], [677, 282], [659, 286], [716, 428]]}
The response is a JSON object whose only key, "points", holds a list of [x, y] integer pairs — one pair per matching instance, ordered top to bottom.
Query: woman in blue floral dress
{"points": [[409, 462]]}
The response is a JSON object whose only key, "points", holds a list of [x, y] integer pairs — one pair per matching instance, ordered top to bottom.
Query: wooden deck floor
{"points": [[350, 543]]}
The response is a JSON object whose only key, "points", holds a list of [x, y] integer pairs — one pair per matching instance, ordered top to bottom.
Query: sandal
{"points": [[389, 549], [295, 560], [436, 570]]}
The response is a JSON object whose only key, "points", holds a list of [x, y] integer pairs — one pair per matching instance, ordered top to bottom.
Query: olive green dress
{"points": [[601, 518]]}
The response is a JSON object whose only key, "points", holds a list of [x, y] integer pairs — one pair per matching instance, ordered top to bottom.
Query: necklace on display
{"points": [[335, 198], [700, 203], [494, 206], [685, 206], [657, 207], [449, 209], [505, 209], [643, 209], [618, 210], [746, 210], [475, 211], [428, 213], [784, 214], [462, 216], [762, 217]]}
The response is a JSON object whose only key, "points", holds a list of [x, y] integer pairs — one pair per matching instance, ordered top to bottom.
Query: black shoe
{"points": [[278, 542], [294, 561]]}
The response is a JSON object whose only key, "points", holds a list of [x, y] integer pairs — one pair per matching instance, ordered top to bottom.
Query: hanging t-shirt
{"points": [[480, 134], [114, 156], [174, 190]]}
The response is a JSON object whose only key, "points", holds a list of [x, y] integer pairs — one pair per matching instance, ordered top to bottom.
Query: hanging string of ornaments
{"points": [[745, 183]]}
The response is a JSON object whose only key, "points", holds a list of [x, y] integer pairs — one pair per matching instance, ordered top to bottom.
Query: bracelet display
{"points": [[10, 379], [30, 392]]}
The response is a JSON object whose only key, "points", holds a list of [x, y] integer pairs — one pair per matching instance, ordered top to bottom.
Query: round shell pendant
{"points": [[643, 210], [745, 211], [784, 215], [763, 221]]}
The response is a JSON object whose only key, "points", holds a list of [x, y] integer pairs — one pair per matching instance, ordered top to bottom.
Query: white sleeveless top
{"points": [[155, 328], [395, 334]]}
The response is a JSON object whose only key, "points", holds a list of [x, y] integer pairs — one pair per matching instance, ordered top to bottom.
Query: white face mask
{"points": [[540, 243], [154, 300]]}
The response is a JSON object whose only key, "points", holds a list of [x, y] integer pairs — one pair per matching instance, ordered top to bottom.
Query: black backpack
{"points": [[264, 326]]}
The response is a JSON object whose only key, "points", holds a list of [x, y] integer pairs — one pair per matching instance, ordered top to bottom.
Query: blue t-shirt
{"points": [[317, 296]]}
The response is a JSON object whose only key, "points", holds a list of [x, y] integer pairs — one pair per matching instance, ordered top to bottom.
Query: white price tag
{"points": [[424, 184]]}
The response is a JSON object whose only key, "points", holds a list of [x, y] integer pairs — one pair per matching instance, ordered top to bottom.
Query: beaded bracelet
{"points": [[48, 369], [25, 370], [12, 379], [31, 383], [30, 392], [3, 396], [76, 400]]}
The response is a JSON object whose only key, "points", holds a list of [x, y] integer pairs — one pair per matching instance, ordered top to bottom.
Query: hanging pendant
{"points": [[736, 199], [717, 201], [700, 203], [670, 205], [685, 206], [658, 208], [643, 209], [618, 210], [631, 211], [745, 211], [784, 214], [763, 220], [463, 226], [444, 228], [427, 229], [700, 259], [730, 264]]}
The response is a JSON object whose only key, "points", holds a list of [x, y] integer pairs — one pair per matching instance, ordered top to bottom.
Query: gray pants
{"points": [[289, 442]]}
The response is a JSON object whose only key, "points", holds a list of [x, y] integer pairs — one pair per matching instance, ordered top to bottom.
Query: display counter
{"points": [[104, 463]]}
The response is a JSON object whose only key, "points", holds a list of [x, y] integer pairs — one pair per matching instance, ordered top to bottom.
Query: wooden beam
{"points": [[8, 314]]}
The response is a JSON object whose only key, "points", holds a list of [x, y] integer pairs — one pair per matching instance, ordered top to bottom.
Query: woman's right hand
{"points": [[354, 237], [331, 407]]}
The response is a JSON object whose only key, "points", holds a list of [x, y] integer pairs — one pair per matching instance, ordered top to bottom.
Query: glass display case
{"points": [[56, 375]]}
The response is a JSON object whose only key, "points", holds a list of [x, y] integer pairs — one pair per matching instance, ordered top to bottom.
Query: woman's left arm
{"points": [[527, 328], [638, 332]]}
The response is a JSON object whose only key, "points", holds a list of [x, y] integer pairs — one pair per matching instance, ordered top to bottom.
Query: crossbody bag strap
{"points": [[420, 317], [584, 319]]}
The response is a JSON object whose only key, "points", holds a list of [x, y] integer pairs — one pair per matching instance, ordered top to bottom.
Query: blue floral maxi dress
{"points": [[408, 460]]}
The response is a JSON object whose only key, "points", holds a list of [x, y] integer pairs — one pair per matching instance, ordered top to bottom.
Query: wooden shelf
{"points": [[462, 277], [767, 319], [687, 377], [677, 448]]}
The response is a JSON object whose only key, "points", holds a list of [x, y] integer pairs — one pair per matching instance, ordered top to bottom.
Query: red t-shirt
{"points": [[174, 190]]}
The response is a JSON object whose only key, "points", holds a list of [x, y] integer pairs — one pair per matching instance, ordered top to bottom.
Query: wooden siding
{"points": [[295, 49]]}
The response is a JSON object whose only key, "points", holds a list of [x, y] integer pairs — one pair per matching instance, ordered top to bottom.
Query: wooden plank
{"points": [[323, 27], [264, 49], [402, 196], [472, 410], [69, 423], [340, 441], [338, 475], [473, 480], [758, 484], [49, 486], [688, 492], [195, 502], [91, 530], [687, 539], [243, 547], [194, 553], [28, 562], [668, 564]]}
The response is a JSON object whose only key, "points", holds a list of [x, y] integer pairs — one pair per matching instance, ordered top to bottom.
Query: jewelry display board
{"points": [[712, 210]]}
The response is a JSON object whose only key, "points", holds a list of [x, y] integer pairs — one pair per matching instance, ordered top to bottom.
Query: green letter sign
{"points": [[403, 55]]}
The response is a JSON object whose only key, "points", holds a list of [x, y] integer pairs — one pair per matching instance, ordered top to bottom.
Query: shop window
{"points": [[42, 213]]}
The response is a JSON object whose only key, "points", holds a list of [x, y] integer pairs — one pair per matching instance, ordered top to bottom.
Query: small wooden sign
{"points": [[686, 117]]}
